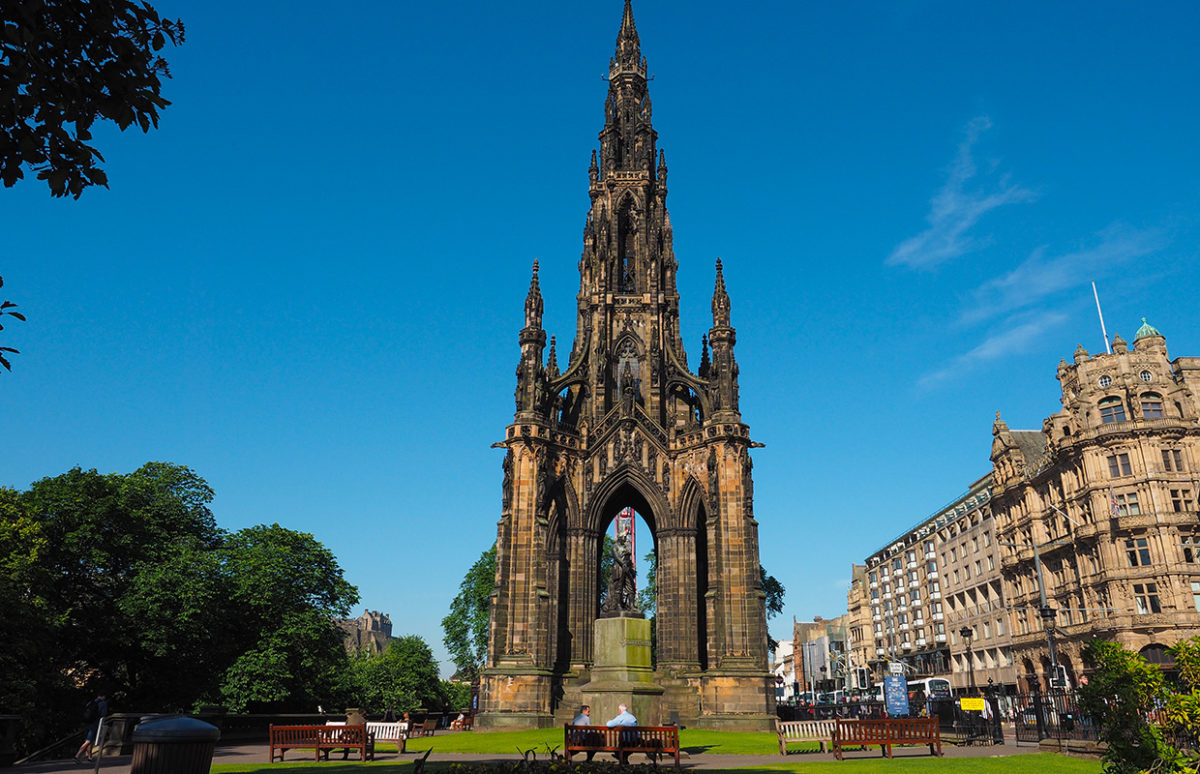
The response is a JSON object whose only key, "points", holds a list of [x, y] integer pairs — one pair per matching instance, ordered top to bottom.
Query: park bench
{"points": [[819, 731], [382, 732], [885, 733], [321, 740], [652, 741]]}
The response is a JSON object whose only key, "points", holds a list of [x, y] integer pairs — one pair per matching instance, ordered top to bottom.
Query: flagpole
{"points": [[1104, 332]]}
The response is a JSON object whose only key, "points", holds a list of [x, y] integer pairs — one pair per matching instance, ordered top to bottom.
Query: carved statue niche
{"points": [[506, 491], [713, 505]]}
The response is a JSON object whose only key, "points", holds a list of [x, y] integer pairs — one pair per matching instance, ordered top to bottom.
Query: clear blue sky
{"points": [[307, 284]]}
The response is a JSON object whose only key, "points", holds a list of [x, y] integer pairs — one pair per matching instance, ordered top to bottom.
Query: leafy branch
{"points": [[7, 307]]}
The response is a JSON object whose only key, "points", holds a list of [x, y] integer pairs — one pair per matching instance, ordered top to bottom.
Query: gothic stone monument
{"points": [[627, 423]]}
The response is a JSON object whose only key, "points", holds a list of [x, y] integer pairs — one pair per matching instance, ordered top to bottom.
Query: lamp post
{"points": [[966, 633]]}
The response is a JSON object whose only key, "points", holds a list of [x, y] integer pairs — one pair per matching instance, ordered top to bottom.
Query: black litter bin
{"points": [[173, 745]]}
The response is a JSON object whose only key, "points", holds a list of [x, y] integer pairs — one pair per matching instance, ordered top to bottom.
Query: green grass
{"points": [[694, 741], [1043, 763]]}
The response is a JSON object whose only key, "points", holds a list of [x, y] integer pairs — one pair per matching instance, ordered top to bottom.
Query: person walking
{"points": [[93, 712]]}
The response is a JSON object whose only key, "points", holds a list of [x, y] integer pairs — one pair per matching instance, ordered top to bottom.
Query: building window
{"points": [[1146, 376], [1105, 380], [1152, 406], [1112, 410], [1172, 460], [1118, 465], [1181, 500], [1127, 504], [987, 539], [975, 544], [1190, 545], [1138, 552], [953, 554], [991, 562], [898, 564], [978, 568], [956, 576], [874, 577], [1196, 595], [1146, 598], [999, 627], [987, 630]]}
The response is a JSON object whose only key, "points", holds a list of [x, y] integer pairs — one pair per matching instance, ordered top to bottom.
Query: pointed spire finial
{"points": [[629, 47], [533, 301], [720, 301], [552, 360], [705, 364]]}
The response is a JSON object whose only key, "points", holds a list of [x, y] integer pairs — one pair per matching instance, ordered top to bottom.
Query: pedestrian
{"points": [[93, 712]]}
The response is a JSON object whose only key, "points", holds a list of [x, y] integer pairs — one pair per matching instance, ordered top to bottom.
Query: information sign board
{"points": [[895, 695], [969, 704]]}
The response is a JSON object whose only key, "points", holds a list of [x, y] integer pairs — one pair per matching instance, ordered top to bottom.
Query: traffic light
{"points": [[864, 678], [1059, 678]]}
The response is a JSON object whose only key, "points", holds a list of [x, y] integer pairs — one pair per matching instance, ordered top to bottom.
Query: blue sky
{"points": [[307, 284]]}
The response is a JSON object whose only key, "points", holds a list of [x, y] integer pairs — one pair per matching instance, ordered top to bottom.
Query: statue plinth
{"points": [[622, 670]]}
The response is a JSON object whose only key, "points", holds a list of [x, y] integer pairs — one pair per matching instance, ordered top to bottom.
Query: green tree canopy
{"points": [[64, 65], [125, 582], [466, 626], [403, 678]]}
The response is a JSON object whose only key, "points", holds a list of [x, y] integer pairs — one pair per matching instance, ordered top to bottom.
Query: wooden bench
{"points": [[819, 731], [382, 732], [885, 733], [321, 740], [652, 741]]}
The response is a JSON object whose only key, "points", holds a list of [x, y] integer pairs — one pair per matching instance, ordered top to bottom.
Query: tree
{"points": [[63, 65], [6, 307], [124, 582], [284, 591], [773, 592], [466, 626], [403, 678], [1120, 694]]}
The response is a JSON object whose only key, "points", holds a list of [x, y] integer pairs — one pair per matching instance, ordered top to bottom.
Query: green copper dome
{"points": [[1146, 330]]}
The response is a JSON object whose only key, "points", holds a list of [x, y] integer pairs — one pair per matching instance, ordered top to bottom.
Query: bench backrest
{"points": [[806, 730], [886, 731], [629, 737]]}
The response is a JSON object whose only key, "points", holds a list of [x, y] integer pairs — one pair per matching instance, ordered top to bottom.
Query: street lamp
{"points": [[966, 633]]}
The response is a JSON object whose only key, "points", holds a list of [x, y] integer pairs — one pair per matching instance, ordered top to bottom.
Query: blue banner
{"points": [[895, 695]]}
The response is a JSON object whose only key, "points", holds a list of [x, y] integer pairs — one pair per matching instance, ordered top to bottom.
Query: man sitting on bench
{"points": [[584, 718], [624, 718]]}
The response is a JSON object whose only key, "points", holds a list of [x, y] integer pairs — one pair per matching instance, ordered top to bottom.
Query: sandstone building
{"points": [[626, 422], [1106, 494], [911, 599]]}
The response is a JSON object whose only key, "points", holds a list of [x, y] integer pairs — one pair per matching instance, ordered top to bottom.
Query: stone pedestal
{"points": [[622, 672]]}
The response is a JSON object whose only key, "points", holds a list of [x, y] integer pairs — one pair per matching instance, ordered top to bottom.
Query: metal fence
{"points": [[1053, 715]]}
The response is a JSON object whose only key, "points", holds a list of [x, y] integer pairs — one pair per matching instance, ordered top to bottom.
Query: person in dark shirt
{"points": [[93, 713]]}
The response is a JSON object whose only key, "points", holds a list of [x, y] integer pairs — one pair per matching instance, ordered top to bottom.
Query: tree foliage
{"points": [[65, 64], [6, 308], [124, 582], [466, 626], [403, 678], [1120, 694]]}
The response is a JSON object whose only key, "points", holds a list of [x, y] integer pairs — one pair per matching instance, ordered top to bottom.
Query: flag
{"points": [[1113, 505]]}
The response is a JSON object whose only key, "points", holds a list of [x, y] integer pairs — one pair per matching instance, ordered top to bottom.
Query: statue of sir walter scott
{"points": [[621, 601]]}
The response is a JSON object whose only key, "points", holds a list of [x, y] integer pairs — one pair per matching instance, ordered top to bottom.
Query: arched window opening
{"points": [[1152, 406], [1112, 410], [1157, 654]]}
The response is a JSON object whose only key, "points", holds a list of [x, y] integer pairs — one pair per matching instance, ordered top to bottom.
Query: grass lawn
{"points": [[696, 742], [1044, 763]]}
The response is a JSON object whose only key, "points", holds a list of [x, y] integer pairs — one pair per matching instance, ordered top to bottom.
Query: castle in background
{"points": [[369, 633]]}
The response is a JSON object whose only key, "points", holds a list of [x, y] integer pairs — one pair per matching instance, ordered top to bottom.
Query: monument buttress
{"points": [[627, 424]]}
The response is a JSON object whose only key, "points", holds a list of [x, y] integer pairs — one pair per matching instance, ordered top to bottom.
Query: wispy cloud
{"points": [[955, 209], [1041, 275], [1016, 335]]}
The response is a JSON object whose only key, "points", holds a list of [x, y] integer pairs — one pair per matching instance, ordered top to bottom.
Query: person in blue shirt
{"points": [[93, 713], [624, 718]]}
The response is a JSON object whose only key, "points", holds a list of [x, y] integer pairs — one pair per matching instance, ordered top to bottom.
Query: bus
{"points": [[920, 691]]}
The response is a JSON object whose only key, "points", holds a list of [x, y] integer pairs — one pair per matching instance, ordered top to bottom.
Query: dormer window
{"points": [[1152, 406], [1113, 410]]}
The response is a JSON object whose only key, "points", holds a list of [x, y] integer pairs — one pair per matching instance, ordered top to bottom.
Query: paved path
{"points": [[257, 753]]}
